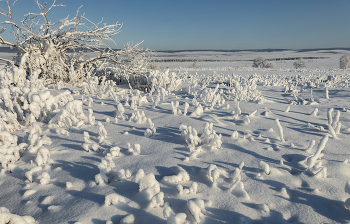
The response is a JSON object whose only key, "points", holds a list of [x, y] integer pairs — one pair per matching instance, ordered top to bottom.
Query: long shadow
{"points": [[252, 153], [76, 169], [97, 198], [335, 211], [141, 216], [217, 216]]}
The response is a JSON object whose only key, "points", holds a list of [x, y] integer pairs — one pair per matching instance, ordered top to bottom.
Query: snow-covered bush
{"points": [[56, 53], [345, 61], [261, 62], [299, 64], [71, 115]]}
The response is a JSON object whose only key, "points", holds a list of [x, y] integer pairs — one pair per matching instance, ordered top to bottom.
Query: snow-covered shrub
{"points": [[56, 53], [345, 61], [261, 62], [299, 64], [161, 80], [71, 115], [138, 117], [190, 134], [10, 151], [43, 156]]}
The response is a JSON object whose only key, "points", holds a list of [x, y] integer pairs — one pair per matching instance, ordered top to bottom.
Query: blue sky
{"points": [[219, 24]]}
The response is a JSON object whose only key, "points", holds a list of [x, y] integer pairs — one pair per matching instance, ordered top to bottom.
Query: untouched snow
{"points": [[280, 157]]}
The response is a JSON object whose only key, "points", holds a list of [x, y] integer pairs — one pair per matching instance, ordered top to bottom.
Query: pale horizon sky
{"points": [[213, 25]]}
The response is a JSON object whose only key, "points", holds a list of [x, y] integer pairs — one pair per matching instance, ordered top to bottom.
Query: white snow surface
{"points": [[299, 180]]}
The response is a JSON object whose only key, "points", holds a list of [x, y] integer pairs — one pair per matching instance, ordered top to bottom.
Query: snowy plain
{"points": [[255, 146]]}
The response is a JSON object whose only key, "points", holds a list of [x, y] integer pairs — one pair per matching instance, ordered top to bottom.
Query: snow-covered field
{"points": [[223, 143]]}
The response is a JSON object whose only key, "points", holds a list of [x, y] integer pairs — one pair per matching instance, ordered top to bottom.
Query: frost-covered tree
{"points": [[56, 51], [345, 61], [261, 62], [299, 64]]}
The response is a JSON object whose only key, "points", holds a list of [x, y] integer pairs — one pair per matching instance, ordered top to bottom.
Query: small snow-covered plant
{"points": [[345, 61], [261, 62], [299, 64], [327, 93], [90, 102], [155, 103], [175, 108], [186, 108], [120, 111], [198, 111], [314, 112], [330, 116], [91, 117], [138, 117], [336, 119], [280, 129], [151, 131], [102, 132], [190, 134], [87, 137], [216, 142], [312, 144], [90, 146], [137, 149], [114, 151], [43, 156], [311, 161], [264, 167], [29, 173], [213, 173], [181, 176], [45, 178], [150, 185], [113, 199], [157, 200], [196, 208], [7, 217], [173, 218], [129, 219]]}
